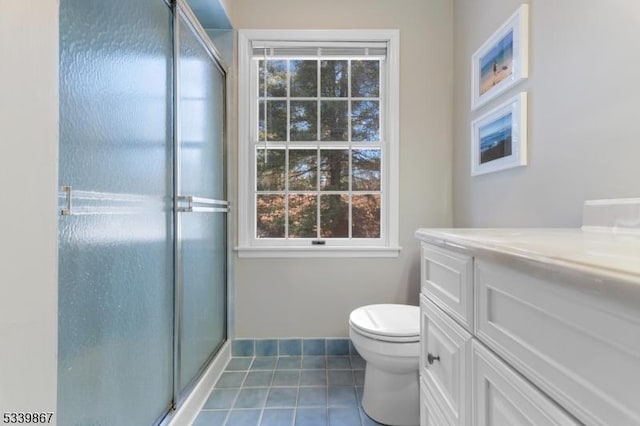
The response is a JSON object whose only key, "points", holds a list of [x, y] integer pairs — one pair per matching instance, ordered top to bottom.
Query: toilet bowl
{"points": [[388, 338]]}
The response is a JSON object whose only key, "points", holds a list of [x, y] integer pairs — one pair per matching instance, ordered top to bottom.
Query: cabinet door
{"points": [[447, 279], [578, 344], [445, 350], [502, 397], [430, 413]]}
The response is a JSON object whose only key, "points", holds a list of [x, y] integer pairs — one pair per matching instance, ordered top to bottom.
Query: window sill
{"points": [[310, 252]]}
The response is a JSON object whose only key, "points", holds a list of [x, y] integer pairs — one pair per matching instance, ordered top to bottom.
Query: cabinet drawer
{"points": [[447, 279], [580, 348], [447, 376], [503, 397], [430, 412]]}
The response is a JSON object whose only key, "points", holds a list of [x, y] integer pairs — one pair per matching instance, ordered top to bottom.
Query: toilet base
{"points": [[391, 398]]}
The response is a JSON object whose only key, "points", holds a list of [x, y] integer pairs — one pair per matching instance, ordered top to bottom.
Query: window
{"points": [[318, 143]]}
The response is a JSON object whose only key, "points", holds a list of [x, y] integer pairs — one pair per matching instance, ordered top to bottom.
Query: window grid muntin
{"points": [[320, 144]]}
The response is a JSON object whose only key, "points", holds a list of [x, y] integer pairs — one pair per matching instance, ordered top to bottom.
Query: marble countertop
{"points": [[606, 254]]}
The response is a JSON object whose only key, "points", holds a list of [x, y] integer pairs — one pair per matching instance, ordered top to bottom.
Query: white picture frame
{"points": [[502, 61], [499, 137]]}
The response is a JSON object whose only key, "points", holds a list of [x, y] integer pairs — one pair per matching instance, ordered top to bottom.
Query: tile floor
{"points": [[302, 390]]}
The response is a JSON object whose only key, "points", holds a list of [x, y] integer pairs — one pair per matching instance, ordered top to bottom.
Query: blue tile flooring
{"points": [[288, 390]]}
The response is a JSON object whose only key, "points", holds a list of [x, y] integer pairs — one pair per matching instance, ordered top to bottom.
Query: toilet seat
{"points": [[387, 322]]}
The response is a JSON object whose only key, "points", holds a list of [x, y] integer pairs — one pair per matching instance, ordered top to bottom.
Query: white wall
{"points": [[584, 116], [28, 225], [313, 297]]}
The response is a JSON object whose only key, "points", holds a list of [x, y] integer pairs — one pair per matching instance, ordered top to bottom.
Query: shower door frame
{"points": [[181, 9]]}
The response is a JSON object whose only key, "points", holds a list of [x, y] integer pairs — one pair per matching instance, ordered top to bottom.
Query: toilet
{"points": [[387, 337]]}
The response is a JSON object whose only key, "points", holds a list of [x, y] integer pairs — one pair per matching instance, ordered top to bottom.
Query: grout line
{"points": [[295, 406], [326, 408], [361, 417], [226, 418]]}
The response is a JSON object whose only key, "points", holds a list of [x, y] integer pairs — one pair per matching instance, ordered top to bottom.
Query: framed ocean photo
{"points": [[502, 60], [499, 137]]}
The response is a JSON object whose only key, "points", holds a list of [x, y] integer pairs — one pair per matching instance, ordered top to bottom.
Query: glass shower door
{"points": [[201, 274], [115, 361]]}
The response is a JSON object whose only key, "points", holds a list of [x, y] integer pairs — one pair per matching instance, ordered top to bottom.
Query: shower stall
{"points": [[143, 214]]}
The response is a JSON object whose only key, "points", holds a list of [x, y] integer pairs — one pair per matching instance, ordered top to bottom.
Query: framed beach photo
{"points": [[502, 61], [499, 137]]}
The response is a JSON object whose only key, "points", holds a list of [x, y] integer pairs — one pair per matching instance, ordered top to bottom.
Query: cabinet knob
{"points": [[431, 358]]}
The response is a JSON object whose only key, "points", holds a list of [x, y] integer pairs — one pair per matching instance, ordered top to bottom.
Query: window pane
{"points": [[276, 78], [304, 78], [333, 79], [365, 79], [276, 121], [304, 121], [334, 121], [365, 121], [270, 165], [303, 169], [334, 169], [366, 169], [270, 216], [302, 216], [334, 216], [366, 216]]}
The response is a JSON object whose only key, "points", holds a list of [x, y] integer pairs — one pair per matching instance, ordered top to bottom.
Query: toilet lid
{"points": [[387, 320]]}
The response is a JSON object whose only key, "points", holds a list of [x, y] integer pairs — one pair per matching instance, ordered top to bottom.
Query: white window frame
{"points": [[387, 245]]}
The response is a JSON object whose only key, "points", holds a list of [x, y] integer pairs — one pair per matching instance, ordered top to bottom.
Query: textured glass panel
{"points": [[115, 77], [276, 78], [304, 78], [334, 79], [365, 79], [201, 121], [304, 121], [334, 121], [365, 121], [276, 129], [303, 169], [334, 169], [366, 169], [270, 174], [270, 216], [302, 216], [334, 216], [366, 216], [203, 242], [204, 282], [115, 319]]}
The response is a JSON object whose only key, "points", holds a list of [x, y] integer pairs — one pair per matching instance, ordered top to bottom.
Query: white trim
{"points": [[373, 36], [244, 73], [393, 138], [611, 201], [247, 245], [323, 251], [191, 406]]}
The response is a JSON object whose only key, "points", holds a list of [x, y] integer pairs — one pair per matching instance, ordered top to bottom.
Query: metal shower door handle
{"points": [[193, 204]]}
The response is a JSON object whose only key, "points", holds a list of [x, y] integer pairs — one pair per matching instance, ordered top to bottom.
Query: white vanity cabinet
{"points": [[529, 327]]}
